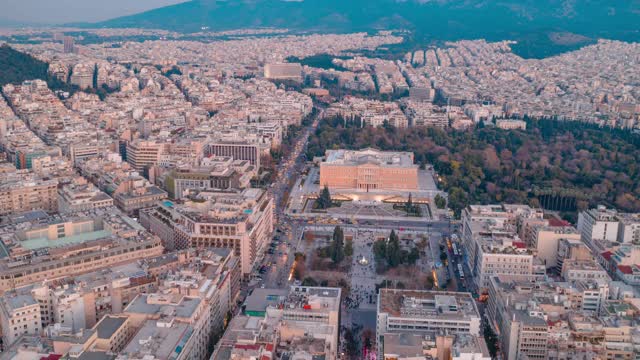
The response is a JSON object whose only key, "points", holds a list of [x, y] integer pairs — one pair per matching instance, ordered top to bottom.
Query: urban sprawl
{"points": [[166, 209]]}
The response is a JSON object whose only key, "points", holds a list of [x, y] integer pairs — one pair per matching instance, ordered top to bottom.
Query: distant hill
{"points": [[430, 19], [15, 66]]}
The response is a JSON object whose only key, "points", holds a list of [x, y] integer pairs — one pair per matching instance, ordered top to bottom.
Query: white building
{"points": [[598, 224], [546, 241], [492, 245], [415, 311], [19, 315]]}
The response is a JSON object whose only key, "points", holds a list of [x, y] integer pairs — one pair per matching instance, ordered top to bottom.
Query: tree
{"points": [[174, 70], [95, 76], [324, 200], [440, 201], [409, 204], [337, 245], [348, 248], [380, 250], [414, 255], [443, 256], [394, 257], [309, 281], [491, 340]]}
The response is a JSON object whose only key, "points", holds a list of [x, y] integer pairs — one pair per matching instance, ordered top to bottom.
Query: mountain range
{"points": [[587, 17], [428, 19]]}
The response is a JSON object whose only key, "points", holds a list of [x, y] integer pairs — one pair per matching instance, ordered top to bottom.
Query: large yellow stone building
{"points": [[369, 170]]}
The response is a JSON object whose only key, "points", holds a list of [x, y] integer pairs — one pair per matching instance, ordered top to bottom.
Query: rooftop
{"points": [[369, 156], [13, 302], [426, 304], [164, 305], [109, 325], [160, 340], [409, 345]]}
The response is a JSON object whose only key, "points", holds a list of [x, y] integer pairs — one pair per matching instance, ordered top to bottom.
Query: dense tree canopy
{"points": [[15, 67], [489, 165], [324, 200], [337, 245]]}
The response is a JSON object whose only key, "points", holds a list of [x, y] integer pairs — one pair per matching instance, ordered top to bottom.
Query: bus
{"points": [[455, 249], [461, 271]]}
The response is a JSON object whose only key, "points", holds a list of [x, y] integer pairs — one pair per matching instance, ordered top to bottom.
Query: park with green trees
{"points": [[549, 159], [338, 249], [389, 253]]}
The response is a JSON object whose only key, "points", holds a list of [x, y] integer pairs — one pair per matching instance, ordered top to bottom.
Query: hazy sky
{"points": [[62, 11]]}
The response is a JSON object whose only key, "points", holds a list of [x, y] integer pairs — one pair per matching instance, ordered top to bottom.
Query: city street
{"points": [[275, 268]]}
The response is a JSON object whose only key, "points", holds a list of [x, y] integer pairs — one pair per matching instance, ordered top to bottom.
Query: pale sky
{"points": [[64, 11]]}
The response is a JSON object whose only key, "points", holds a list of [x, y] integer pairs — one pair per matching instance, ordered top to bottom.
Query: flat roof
{"points": [[370, 156], [40, 243], [260, 299], [13, 302], [427, 304], [184, 308], [109, 325], [157, 341], [408, 344], [96, 355]]}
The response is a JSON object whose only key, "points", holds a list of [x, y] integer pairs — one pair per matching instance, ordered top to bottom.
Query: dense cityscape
{"points": [[269, 194]]}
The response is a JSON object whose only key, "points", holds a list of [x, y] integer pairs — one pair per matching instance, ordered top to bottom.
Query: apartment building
{"points": [[283, 71], [238, 150], [142, 153], [369, 170], [219, 173], [22, 191], [81, 195], [139, 195], [241, 221], [598, 224], [629, 229], [545, 240], [493, 246], [52, 247], [571, 249], [588, 269], [418, 312], [19, 315], [299, 323], [169, 326], [521, 331], [112, 334], [433, 345]]}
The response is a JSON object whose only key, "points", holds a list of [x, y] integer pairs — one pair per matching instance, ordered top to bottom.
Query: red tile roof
{"points": [[558, 222], [519, 244], [607, 255], [625, 269], [51, 357]]}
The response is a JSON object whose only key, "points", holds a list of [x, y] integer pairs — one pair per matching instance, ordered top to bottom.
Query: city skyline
{"points": [[170, 190]]}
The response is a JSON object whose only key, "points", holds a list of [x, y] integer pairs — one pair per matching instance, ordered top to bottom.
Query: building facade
{"points": [[369, 170]]}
